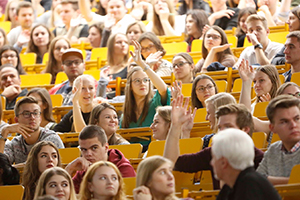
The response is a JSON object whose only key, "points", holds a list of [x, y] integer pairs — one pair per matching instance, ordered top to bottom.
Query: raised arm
{"points": [[85, 10], [164, 19], [247, 75], [156, 80], [78, 122]]}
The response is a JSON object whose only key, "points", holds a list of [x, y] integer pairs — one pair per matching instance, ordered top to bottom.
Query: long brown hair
{"points": [[245, 11], [157, 26], [111, 50], [19, 67], [130, 104], [31, 173]]}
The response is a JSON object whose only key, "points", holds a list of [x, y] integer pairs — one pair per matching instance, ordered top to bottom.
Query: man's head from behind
{"points": [[69, 10], [25, 14], [258, 25], [292, 48], [72, 63], [9, 76], [28, 112], [284, 114], [235, 116], [93, 144], [232, 149]]}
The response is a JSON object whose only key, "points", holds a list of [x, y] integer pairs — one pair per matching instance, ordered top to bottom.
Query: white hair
{"points": [[236, 146]]}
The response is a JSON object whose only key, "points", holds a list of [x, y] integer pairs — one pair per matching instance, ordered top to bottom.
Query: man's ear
{"points": [[16, 17], [268, 31], [62, 67], [16, 119], [271, 127], [246, 129], [106, 147], [224, 163]]}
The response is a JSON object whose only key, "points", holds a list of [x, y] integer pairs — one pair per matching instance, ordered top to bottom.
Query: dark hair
{"points": [[23, 4], [101, 10], [243, 12], [296, 12], [200, 17], [99, 26], [295, 34], [153, 38], [224, 40], [19, 64], [46, 100], [23, 101], [195, 101], [93, 131], [9, 175]]}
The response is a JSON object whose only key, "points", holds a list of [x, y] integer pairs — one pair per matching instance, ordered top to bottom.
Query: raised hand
{"points": [[164, 13], [75, 21], [110, 21], [137, 57], [153, 58], [246, 72], [105, 74], [176, 89], [77, 91], [179, 111], [188, 124]]}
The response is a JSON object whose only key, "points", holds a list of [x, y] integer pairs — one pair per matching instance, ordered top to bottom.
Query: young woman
{"points": [[10, 13], [164, 21], [194, 24], [241, 29], [135, 30], [95, 34], [40, 38], [3, 39], [151, 44], [57, 47], [215, 48], [9, 54], [183, 67], [266, 82], [203, 88], [289, 88], [84, 93], [45, 103], [140, 104], [161, 122], [42, 156], [8, 174], [154, 179], [102, 180], [56, 182]]}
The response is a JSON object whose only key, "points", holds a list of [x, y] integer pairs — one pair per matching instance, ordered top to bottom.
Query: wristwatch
{"points": [[259, 45], [3, 138]]}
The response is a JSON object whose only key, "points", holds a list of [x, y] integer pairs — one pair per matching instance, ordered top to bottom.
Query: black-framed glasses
{"points": [[212, 36], [149, 48], [6, 56], [70, 63], [180, 64], [138, 81], [202, 89], [28, 114]]}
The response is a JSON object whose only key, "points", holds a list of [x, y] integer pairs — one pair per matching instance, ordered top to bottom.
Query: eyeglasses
{"points": [[214, 37], [149, 48], [6, 56], [69, 63], [180, 64], [139, 81], [202, 89], [297, 94], [27, 114]]}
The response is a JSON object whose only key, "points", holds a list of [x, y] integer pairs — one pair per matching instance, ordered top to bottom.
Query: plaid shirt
{"points": [[295, 148]]}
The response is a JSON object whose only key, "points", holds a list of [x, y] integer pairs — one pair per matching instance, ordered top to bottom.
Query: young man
{"points": [[73, 28], [20, 35], [263, 49], [292, 56], [73, 65], [10, 84], [284, 114], [232, 115], [28, 119], [94, 147], [232, 162]]}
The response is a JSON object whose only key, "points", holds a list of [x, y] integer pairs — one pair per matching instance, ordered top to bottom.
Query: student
{"points": [[191, 5], [10, 13], [135, 30], [73, 31], [95, 35], [19, 36], [3, 38], [39, 42], [57, 47], [10, 55], [183, 67], [203, 88], [289, 88], [45, 103], [283, 112], [231, 115], [27, 117], [161, 122], [94, 147], [42, 156], [232, 162], [8, 174], [102, 180], [155, 180], [55, 182]]}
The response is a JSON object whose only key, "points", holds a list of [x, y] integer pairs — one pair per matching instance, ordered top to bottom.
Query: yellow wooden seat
{"points": [[6, 26], [282, 28], [230, 32], [279, 37], [171, 39], [232, 40], [196, 45], [174, 48], [99, 52], [28, 58], [45, 58], [34, 69], [94, 73], [61, 77], [296, 78], [168, 79], [282, 79], [37, 80], [221, 85], [187, 89], [57, 100], [3, 102], [260, 109], [200, 115], [142, 133], [275, 138], [259, 139], [189, 145], [129, 150], [69, 154], [295, 175], [184, 180], [129, 184], [288, 191], [12, 192], [203, 194]]}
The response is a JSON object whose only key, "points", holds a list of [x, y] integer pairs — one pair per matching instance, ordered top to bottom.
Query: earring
{"points": [[92, 195]]}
